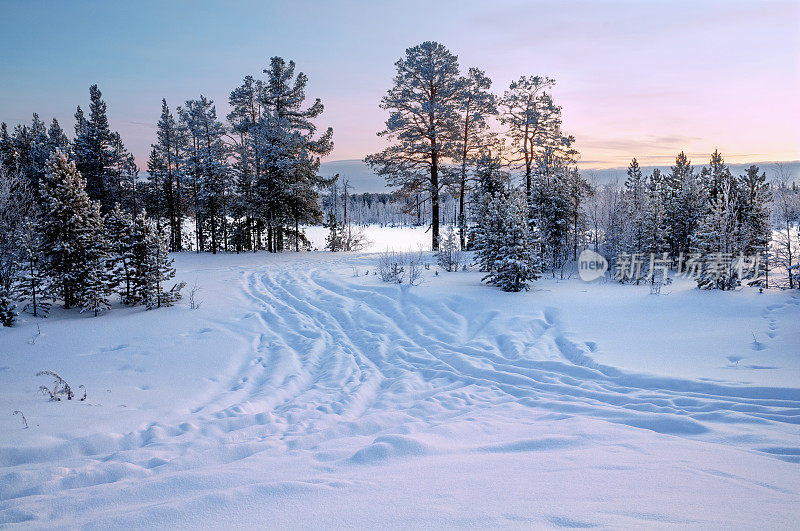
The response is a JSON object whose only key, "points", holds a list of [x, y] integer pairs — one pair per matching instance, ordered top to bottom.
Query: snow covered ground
{"points": [[301, 395]]}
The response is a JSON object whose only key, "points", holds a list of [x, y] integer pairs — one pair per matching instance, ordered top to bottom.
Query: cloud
{"points": [[633, 145]]}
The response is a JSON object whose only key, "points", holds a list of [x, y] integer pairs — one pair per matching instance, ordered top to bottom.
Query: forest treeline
{"points": [[442, 143], [79, 223]]}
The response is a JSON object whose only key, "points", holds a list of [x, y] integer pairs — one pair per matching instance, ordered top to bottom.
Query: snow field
{"points": [[300, 395]]}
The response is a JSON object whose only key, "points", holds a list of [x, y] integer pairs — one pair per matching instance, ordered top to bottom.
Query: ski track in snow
{"points": [[350, 373]]}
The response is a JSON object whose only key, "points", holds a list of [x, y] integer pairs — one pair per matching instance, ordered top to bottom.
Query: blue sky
{"points": [[634, 78]]}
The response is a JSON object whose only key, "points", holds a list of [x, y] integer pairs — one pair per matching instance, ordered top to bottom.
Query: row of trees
{"points": [[439, 127], [440, 142], [250, 183], [247, 184], [708, 213], [724, 223], [61, 247]]}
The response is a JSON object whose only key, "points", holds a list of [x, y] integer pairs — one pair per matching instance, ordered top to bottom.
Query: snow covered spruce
{"points": [[68, 251]]}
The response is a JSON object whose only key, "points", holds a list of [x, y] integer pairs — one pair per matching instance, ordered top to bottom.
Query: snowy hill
{"points": [[357, 172], [364, 180], [298, 385]]}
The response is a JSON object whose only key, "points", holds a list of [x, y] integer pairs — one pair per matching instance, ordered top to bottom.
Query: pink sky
{"points": [[635, 78]]}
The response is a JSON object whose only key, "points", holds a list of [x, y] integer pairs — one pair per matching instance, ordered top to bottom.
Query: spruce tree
{"points": [[57, 138], [7, 154], [491, 182], [634, 202], [685, 205], [550, 207], [754, 218], [118, 228], [71, 230], [656, 231], [716, 239], [333, 242], [449, 254], [513, 254], [151, 265], [159, 268], [97, 282], [34, 283], [8, 313]]}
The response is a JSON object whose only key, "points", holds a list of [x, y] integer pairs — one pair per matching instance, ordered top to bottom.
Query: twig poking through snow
{"points": [[194, 303], [32, 340], [24, 420]]}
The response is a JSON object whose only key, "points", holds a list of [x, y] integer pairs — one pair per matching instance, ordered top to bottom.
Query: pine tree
{"points": [[476, 105], [245, 118], [423, 125], [534, 126], [167, 155], [209, 167], [71, 229]]}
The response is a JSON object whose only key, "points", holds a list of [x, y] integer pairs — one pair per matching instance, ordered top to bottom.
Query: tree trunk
{"points": [[435, 204]]}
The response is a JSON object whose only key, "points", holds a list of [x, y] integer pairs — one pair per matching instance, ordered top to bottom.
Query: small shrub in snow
{"points": [[449, 254], [414, 264], [390, 267], [397, 268], [166, 298], [194, 302], [60, 387]]}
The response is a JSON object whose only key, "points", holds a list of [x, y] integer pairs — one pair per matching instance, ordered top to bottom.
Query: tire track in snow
{"points": [[328, 359], [570, 381]]}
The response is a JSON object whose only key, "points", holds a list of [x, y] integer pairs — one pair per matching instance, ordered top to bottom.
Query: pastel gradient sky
{"points": [[635, 78]]}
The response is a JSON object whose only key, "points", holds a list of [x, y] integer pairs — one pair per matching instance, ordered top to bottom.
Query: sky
{"points": [[634, 78]]}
